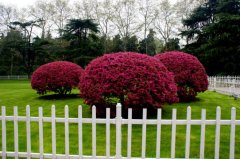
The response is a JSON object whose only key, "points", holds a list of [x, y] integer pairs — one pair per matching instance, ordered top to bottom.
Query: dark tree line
{"points": [[22, 52]]}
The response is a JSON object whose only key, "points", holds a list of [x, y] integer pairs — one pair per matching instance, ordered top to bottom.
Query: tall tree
{"points": [[84, 9], [42, 10], [61, 12], [7, 15], [103, 15], [148, 15], [124, 18], [165, 22], [79, 29], [213, 32], [83, 39], [149, 42], [117, 44], [132, 44], [172, 44], [27, 51], [10, 53]]}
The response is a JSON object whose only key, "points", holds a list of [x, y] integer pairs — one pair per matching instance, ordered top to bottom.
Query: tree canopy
{"points": [[213, 35]]}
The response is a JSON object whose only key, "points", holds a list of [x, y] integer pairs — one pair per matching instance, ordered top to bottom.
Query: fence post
{"points": [[214, 83], [234, 83], [15, 110], [53, 124], [66, 124], [40, 127], [28, 131], [118, 131], [217, 132], [108, 133], [188, 133], [232, 133], [173, 138], [202, 138], [158, 140], [4, 144], [80, 147], [129, 151], [94, 154]]}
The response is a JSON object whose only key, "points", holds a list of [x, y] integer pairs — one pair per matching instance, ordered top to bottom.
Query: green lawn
{"points": [[19, 93]]}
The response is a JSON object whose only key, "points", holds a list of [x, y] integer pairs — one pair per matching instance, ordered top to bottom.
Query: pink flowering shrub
{"points": [[190, 74], [59, 77], [133, 79]]}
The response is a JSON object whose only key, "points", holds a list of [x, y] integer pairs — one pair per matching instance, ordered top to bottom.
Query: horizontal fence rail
{"points": [[14, 77], [229, 85], [118, 121]]}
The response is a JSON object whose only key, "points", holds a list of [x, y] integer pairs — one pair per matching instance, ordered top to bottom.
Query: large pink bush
{"points": [[190, 74], [59, 77], [134, 79]]}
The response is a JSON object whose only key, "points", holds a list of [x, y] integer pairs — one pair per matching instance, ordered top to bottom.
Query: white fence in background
{"points": [[14, 77], [229, 85], [118, 122]]}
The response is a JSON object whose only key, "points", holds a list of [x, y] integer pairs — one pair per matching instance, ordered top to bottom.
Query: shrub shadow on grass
{"points": [[59, 97], [197, 99]]}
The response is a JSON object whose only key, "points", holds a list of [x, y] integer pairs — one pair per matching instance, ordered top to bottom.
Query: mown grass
{"points": [[19, 93]]}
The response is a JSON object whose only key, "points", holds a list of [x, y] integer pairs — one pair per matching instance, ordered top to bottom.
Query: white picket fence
{"points": [[14, 77], [229, 85], [118, 121]]}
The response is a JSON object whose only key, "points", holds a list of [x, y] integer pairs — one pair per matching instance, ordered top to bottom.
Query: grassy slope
{"points": [[19, 93]]}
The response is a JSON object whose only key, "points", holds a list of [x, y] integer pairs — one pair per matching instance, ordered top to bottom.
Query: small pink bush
{"points": [[190, 74], [59, 77], [134, 79]]}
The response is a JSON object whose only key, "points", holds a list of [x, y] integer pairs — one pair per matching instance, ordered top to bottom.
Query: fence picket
{"points": [[118, 121], [53, 122], [40, 125], [28, 126], [144, 127], [16, 131], [118, 131], [66, 132], [94, 132], [108, 133], [188, 133], [217, 133], [232, 133], [173, 140], [202, 140], [158, 141], [4, 144], [80, 151], [129, 151]]}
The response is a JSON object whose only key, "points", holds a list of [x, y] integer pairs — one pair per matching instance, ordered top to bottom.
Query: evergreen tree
{"points": [[213, 35], [84, 44], [117, 44], [132, 44], [172, 44], [148, 45], [27, 51], [11, 58]]}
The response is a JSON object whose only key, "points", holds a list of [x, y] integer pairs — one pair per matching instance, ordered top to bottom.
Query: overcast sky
{"points": [[18, 3], [24, 3]]}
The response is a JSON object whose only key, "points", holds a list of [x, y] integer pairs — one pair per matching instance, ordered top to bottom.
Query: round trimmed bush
{"points": [[190, 74], [59, 77], [135, 80]]}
